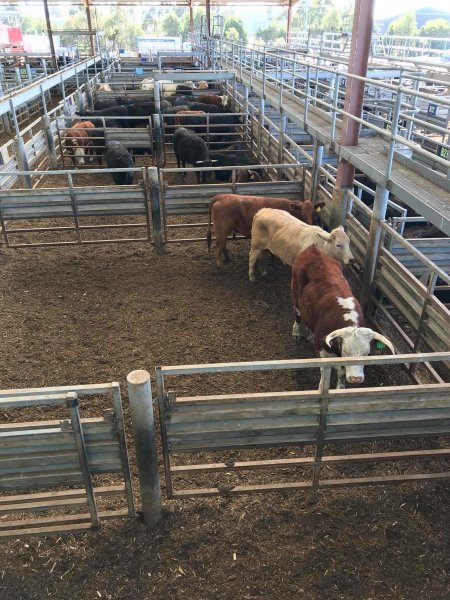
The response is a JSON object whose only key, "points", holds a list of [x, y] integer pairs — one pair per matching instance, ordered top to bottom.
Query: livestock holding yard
{"points": [[99, 280]]}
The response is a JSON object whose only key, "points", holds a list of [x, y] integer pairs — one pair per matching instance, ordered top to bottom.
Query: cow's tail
{"points": [[209, 235]]}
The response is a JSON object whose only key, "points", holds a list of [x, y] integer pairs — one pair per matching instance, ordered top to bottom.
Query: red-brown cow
{"points": [[222, 101], [77, 141], [233, 213], [323, 300]]}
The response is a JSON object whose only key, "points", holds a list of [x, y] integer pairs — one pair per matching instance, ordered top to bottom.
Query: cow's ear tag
{"points": [[318, 209], [380, 345]]}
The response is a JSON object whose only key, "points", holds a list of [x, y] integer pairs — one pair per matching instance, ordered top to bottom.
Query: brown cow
{"points": [[222, 101], [77, 141], [233, 213], [323, 300]]}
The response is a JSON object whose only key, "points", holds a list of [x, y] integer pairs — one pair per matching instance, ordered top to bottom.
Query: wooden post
{"points": [[50, 35], [50, 142], [22, 161], [140, 396]]}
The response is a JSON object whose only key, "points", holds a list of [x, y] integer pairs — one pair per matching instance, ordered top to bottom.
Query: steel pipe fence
{"points": [[300, 79], [316, 421], [53, 454]]}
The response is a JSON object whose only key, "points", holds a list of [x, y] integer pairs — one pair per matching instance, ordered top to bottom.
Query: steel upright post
{"points": [[373, 243], [140, 396]]}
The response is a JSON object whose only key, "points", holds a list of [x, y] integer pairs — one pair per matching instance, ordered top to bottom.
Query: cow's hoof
{"points": [[252, 278]]}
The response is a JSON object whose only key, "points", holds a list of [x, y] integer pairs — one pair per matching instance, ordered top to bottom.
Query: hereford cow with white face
{"points": [[285, 236], [324, 302]]}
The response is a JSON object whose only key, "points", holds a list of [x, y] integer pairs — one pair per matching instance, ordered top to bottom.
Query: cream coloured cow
{"points": [[285, 236]]}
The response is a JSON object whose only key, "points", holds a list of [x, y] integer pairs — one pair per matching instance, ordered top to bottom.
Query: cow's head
{"points": [[225, 101], [79, 155], [206, 176], [305, 210], [317, 210], [339, 245], [354, 341]]}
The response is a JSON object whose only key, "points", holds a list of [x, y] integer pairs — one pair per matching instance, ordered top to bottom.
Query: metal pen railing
{"points": [[306, 87]]}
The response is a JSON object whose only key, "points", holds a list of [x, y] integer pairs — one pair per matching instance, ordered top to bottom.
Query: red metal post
{"points": [[191, 17], [208, 17], [289, 22], [50, 35], [354, 94]]}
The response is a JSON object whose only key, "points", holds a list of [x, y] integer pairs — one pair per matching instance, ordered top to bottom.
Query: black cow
{"points": [[185, 89], [102, 104], [209, 108], [141, 109], [113, 111], [97, 136], [190, 148], [118, 157], [229, 160]]}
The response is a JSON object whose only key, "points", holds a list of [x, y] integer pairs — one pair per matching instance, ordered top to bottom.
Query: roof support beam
{"points": [[208, 17], [191, 18], [89, 22], [289, 22], [50, 35], [354, 95]]}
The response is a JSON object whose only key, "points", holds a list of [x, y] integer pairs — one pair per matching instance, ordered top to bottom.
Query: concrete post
{"points": [[50, 142], [22, 161], [317, 163], [141, 407]]}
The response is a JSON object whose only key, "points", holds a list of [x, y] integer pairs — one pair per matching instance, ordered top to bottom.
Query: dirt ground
{"points": [[92, 314]]}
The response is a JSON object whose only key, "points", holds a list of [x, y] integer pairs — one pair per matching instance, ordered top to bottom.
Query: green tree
{"points": [[311, 12], [332, 20], [185, 23], [171, 24], [236, 24], [32, 25], [405, 25], [436, 28], [120, 32], [232, 34], [269, 34]]}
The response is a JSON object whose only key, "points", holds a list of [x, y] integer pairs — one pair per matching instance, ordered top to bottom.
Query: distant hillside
{"points": [[422, 16]]}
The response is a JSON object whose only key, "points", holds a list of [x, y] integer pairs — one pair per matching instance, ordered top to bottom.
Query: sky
{"points": [[389, 8]]}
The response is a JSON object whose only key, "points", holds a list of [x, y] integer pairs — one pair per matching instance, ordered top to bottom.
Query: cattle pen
{"points": [[161, 434]]}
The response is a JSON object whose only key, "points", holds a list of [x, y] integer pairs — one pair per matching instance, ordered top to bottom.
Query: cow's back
{"points": [[282, 234], [318, 286]]}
